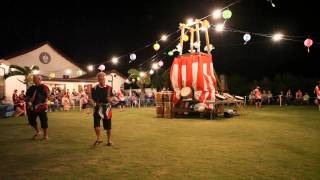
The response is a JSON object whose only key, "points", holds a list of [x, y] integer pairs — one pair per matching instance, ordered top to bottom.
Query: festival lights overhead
{"points": [[219, 13], [216, 14], [219, 27], [164, 37], [277, 37], [115, 60], [90, 68], [68, 71]]}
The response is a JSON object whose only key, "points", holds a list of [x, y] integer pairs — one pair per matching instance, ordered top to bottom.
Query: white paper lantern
{"points": [[133, 57]]}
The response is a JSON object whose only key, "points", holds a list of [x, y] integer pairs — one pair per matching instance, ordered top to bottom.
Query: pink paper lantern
{"points": [[308, 43], [102, 67]]}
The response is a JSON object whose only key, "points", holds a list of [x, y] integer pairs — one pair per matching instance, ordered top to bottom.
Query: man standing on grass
{"points": [[101, 95], [258, 97], [36, 98]]}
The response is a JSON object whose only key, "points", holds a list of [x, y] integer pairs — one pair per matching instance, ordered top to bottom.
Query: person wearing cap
{"points": [[317, 92], [258, 97]]}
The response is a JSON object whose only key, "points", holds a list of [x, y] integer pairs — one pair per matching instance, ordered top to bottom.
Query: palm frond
{"points": [[17, 68], [13, 73]]}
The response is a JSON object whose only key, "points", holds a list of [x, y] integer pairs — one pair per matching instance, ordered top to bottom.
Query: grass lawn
{"points": [[271, 143]]}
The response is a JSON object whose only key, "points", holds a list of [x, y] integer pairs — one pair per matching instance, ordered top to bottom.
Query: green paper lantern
{"points": [[226, 14], [170, 53]]}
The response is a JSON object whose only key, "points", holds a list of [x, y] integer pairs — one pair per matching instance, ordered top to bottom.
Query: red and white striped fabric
{"points": [[194, 71]]}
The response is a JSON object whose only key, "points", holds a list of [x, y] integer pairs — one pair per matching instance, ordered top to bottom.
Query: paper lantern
{"points": [[226, 14], [185, 38], [246, 38], [308, 43], [156, 46], [170, 53], [133, 57], [160, 63], [102, 67], [52, 75]]}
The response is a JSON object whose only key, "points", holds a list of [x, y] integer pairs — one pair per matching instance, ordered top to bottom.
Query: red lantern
{"points": [[308, 43]]}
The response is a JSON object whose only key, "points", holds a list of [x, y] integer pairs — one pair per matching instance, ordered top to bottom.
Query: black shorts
{"points": [[258, 100], [122, 103], [84, 106], [32, 117], [96, 120]]}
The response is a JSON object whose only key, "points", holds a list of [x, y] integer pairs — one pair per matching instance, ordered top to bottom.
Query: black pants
{"points": [[32, 117], [97, 119]]}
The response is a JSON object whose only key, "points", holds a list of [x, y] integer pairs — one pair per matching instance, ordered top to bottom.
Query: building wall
{"points": [[57, 65], [118, 81]]}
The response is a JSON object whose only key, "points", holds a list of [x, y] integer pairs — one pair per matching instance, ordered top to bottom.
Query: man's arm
{"points": [[93, 94], [109, 95]]}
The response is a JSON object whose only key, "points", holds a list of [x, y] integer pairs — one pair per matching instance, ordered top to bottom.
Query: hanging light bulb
{"points": [[216, 14], [190, 22], [219, 27], [164, 37], [277, 37], [115, 60], [155, 66], [90, 68], [68, 71], [151, 72], [142, 74]]}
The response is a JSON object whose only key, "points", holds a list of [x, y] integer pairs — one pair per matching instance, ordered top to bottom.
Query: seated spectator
{"points": [[269, 96], [264, 97], [288, 97], [299, 97], [306, 98], [121, 99], [134, 100], [66, 102]]}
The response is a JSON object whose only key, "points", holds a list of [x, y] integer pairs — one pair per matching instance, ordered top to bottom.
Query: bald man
{"points": [[102, 94], [36, 98]]}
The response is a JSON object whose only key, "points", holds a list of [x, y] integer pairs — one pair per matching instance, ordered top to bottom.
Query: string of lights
{"points": [[224, 13]]}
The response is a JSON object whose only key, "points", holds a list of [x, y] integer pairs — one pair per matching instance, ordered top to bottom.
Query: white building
{"points": [[59, 71]]}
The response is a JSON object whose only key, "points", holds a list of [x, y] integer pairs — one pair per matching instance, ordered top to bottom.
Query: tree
{"points": [[25, 71], [161, 79], [141, 81]]}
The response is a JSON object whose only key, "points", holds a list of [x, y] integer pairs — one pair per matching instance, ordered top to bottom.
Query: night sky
{"points": [[92, 32]]}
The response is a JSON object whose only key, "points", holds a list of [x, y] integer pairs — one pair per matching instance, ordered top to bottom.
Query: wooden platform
{"points": [[218, 109]]}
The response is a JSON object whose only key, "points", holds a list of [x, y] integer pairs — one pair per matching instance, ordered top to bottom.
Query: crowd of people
{"points": [[259, 97], [64, 100]]}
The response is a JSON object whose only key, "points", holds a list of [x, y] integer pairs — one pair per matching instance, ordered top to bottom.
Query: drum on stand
{"points": [[186, 93], [228, 96], [220, 97], [239, 97], [159, 104]]}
